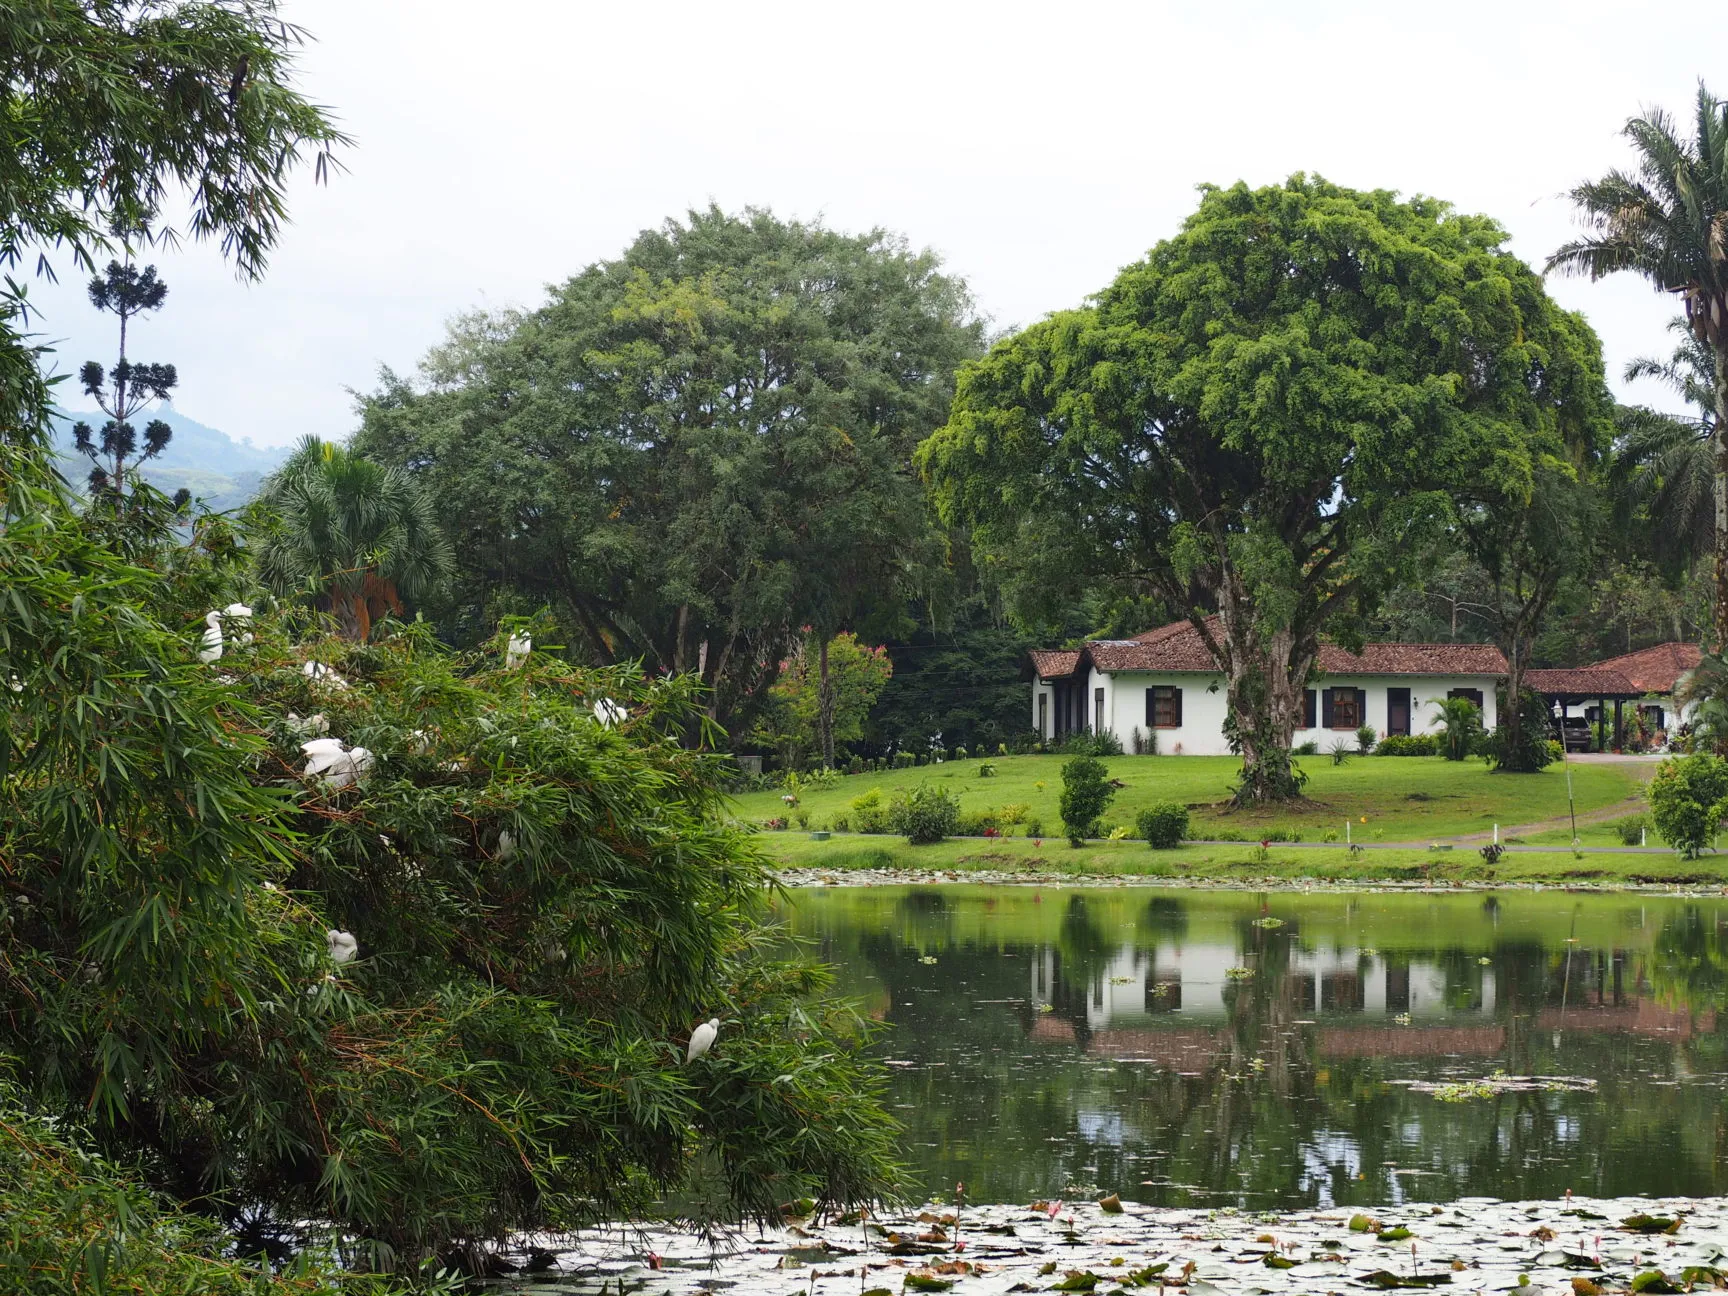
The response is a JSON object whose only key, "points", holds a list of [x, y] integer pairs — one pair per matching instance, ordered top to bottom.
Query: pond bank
{"points": [[868, 860], [1576, 1246]]}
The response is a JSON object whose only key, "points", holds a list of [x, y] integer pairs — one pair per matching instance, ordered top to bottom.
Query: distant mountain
{"points": [[216, 468]]}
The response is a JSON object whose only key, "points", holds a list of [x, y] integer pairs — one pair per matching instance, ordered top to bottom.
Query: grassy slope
{"points": [[1403, 798], [1236, 863]]}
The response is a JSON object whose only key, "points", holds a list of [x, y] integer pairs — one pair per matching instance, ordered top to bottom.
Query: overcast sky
{"points": [[500, 147]]}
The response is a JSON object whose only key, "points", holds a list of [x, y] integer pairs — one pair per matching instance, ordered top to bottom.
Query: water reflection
{"points": [[1221, 1048]]}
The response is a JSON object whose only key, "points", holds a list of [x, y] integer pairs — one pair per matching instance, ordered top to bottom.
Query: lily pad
{"points": [[1651, 1224], [1397, 1233], [1385, 1279], [1078, 1280], [927, 1282], [1654, 1282]]}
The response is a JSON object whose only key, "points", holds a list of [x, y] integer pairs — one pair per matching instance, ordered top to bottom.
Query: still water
{"points": [[1224, 1048]]}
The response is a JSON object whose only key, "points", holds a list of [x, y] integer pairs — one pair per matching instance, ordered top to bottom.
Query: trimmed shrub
{"points": [[1366, 737], [1408, 745], [1309, 748], [1086, 791], [1686, 801], [1015, 812], [869, 814], [925, 815], [1163, 825], [1034, 827], [1631, 829]]}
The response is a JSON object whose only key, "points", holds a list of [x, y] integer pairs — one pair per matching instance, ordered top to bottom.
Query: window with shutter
{"points": [[1475, 695], [1310, 699], [1164, 707], [1326, 708], [1346, 708]]}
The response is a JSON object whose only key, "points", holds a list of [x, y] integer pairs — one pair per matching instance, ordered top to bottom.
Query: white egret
{"points": [[239, 612], [212, 649], [517, 650], [321, 674], [609, 713], [312, 724], [335, 763], [506, 845], [343, 946], [702, 1039]]}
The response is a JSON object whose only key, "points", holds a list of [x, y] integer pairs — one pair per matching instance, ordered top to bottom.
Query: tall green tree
{"points": [[115, 110], [1667, 220], [127, 388], [1267, 418], [693, 451], [1664, 470], [361, 536]]}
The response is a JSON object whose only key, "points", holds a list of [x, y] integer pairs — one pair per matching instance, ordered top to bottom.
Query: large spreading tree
{"points": [[1667, 220], [1266, 418], [695, 451]]}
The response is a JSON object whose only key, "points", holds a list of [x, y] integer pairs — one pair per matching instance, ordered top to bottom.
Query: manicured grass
{"points": [[1402, 798], [1234, 863]]}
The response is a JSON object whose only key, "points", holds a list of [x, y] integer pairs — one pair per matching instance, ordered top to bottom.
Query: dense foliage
{"points": [[1268, 415], [695, 451], [354, 536], [1086, 791], [1688, 800], [922, 815], [1163, 825], [545, 901]]}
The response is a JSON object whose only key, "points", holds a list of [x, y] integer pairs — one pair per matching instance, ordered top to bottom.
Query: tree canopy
{"points": [[1265, 418], [693, 451]]}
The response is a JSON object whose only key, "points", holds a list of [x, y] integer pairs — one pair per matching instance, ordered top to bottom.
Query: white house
{"points": [[1166, 683]]}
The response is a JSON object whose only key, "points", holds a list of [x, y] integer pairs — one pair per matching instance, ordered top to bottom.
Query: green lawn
{"points": [[1401, 798], [1233, 863]]}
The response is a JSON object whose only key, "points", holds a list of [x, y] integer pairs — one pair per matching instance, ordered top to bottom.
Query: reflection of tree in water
{"points": [[1689, 965], [1022, 1103]]}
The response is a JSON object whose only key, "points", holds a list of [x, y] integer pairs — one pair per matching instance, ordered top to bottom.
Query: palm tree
{"points": [[1668, 221], [1663, 467], [362, 535], [1462, 720]]}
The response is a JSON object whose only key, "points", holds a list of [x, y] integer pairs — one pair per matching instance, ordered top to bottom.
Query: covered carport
{"points": [[1583, 687]]}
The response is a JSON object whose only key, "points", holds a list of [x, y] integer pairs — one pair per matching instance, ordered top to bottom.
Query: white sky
{"points": [[502, 146]]}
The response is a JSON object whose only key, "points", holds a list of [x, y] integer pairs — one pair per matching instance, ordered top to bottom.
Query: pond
{"points": [[1285, 1050]]}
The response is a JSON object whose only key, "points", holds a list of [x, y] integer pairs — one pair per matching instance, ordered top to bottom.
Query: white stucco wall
{"points": [[1203, 707]]}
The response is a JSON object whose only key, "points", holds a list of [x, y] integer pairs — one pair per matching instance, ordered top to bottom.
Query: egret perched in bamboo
{"points": [[213, 620], [517, 650], [322, 675], [609, 713], [335, 763], [343, 946], [702, 1039]]}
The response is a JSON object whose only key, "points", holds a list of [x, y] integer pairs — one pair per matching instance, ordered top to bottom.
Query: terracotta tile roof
{"points": [[1178, 647], [1053, 663], [1655, 670], [1586, 681]]}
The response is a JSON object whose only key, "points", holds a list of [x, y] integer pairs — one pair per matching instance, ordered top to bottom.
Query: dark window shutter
{"points": [[1308, 701], [1176, 707], [1326, 707], [1151, 708]]}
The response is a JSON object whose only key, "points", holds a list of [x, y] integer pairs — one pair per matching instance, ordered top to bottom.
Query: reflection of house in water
{"points": [[1192, 981], [1169, 1004]]}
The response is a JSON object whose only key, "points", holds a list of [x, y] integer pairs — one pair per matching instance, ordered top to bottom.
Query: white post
{"points": [[1346, 832], [1496, 834]]}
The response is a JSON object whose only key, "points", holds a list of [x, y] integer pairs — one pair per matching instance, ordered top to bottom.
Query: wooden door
{"points": [[1397, 710]]}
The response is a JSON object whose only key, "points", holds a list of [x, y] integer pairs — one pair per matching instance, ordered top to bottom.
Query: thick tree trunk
{"points": [[1719, 437], [1264, 680], [1513, 720]]}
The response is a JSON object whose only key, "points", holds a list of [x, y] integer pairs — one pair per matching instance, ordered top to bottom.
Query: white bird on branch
{"points": [[213, 645], [517, 650], [321, 674], [609, 713], [335, 763], [343, 946], [702, 1039]]}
